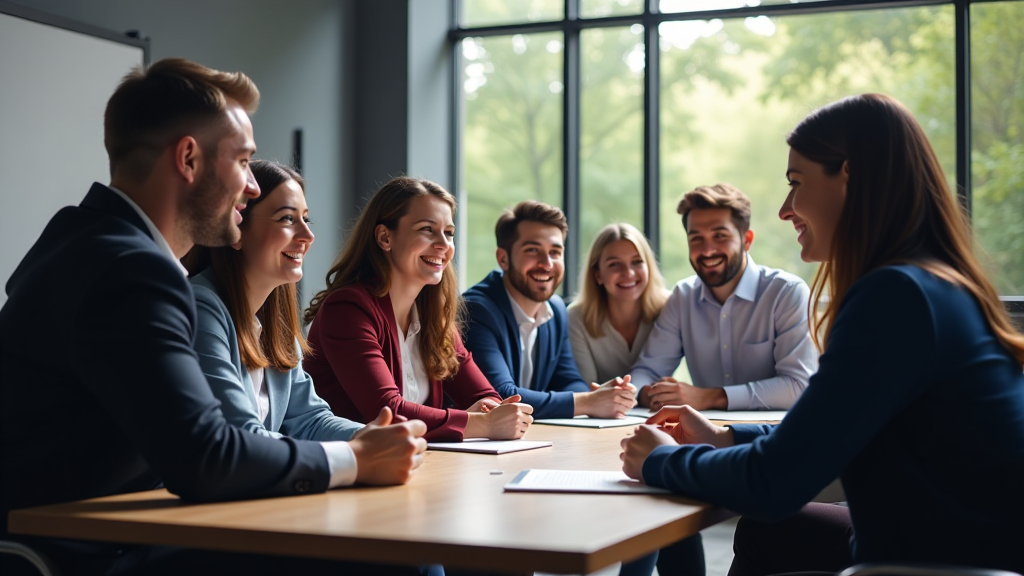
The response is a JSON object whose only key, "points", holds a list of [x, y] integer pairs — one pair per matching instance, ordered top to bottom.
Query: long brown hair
{"points": [[898, 208], [363, 262], [593, 298], [279, 315]]}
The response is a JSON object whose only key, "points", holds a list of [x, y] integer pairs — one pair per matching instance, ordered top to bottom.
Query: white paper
{"points": [[731, 415], [587, 422], [485, 446], [592, 481]]}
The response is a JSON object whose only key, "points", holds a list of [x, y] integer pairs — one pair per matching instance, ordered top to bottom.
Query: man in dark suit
{"points": [[518, 329], [100, 390]]}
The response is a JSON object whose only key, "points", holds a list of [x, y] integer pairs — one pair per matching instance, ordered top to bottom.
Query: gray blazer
{"points": [[295, 409]]}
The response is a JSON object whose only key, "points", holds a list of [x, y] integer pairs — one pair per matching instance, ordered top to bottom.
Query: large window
{"points": [[613, 109]]}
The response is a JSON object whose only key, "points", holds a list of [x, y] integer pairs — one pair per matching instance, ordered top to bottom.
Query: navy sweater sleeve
{"points": [[878, 359]]}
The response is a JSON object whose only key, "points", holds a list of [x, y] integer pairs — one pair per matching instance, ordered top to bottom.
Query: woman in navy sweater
{"points": [[918, 403]]}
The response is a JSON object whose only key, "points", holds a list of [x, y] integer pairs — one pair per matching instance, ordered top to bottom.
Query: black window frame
{"points": [[572, 24]]}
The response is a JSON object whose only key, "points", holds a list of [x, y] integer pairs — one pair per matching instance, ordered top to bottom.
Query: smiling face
{"points": [[814, 204], [212, 208], [276, 238], [422, 244], [717, 249], [535, 266], [622, 271]]}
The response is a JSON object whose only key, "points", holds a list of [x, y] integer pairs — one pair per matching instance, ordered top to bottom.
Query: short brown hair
{"points": [[156, 106], [717, 196], [506, 232]]}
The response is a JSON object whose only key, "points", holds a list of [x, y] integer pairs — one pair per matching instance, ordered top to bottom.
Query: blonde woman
{"points": [[621, 293]]}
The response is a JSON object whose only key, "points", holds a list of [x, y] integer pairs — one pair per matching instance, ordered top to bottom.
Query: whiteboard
{"points": [[54, 87]]}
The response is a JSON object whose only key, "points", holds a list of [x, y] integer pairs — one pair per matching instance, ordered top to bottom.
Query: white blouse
{"points": [[601, 359], [415, 385]]}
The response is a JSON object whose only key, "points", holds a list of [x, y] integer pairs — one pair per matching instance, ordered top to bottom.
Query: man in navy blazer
{"points": [[518, 328], [100, 390]]}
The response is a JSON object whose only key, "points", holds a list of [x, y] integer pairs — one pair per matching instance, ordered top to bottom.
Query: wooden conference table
{"points": [[452, 512]]}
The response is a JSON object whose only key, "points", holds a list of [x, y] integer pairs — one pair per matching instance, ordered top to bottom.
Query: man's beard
{"points": [[205, 225], [732, 268], [521, 283]]}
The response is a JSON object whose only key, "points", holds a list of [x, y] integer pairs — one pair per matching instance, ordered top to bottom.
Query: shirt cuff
{"points": [[738, 396], [341, 461]]}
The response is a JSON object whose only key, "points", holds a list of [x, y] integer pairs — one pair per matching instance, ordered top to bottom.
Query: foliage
{"points": [[730, 90]]}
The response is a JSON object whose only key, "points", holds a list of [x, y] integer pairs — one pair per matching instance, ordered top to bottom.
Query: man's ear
{"points": [[188, 157], [383, 237], [748, 239], [237, 245], [502, 257]]}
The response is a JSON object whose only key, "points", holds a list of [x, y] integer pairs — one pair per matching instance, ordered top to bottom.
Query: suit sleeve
{"points": [[885, 318], [483, 339], [350, 342], [132, 345], [566, 377]]}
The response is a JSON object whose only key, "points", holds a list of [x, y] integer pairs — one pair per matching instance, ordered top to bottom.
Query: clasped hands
{"points": [[671, 392], [609, 400], [505, 420], [670, 426]]}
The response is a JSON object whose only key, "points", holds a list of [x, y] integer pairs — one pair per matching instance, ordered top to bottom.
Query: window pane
{"points": [[676, 6], [602, 8], [495, 12], [732, 90], [611, 130], [512, 136], [997, 139]]}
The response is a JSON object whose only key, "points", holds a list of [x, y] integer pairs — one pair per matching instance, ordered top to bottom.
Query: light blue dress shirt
{"points": [[757, 345]]}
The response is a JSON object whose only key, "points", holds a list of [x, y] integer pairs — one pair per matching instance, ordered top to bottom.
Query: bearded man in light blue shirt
{"points": [[742, 327]]}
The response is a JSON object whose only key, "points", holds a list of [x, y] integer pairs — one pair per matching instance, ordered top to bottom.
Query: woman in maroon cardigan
{"points": [[385, 332]]}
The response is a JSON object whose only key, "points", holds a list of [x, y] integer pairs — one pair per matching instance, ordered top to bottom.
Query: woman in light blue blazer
{"points": [[248, 336]]}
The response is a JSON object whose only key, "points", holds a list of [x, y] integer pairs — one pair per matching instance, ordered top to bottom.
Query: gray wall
{"points": [[300, 54], [367, 80]]}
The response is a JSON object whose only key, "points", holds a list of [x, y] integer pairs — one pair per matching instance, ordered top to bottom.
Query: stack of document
{"points": [[485, 446]]}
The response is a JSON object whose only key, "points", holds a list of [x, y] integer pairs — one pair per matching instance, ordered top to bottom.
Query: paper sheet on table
{"points": [[731, 415], [587, 422], [485, 446], [579, 481]]}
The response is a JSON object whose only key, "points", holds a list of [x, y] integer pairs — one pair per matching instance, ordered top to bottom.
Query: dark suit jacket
{"points": [[493, 338], [357, 366], [100, 390]]}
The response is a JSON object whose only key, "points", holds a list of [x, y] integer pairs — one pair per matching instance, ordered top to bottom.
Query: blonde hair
{"points": [[593, 298]]}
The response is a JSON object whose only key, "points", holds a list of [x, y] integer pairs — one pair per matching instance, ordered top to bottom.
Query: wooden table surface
{"points": [[453, 512]]}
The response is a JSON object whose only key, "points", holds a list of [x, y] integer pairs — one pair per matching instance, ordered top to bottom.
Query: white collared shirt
{"points": [[528, 337], [756, 345], [256, 375], [415, 384]]}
